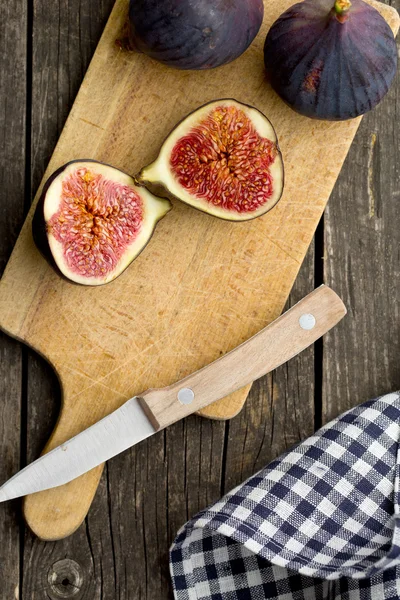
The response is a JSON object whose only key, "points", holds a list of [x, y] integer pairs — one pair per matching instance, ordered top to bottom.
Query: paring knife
{"points": [[144, 415]]}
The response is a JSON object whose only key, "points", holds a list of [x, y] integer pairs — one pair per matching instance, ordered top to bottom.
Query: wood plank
{"points": [[13, 43], [362, 263], [127, 343], [10, 423], [153, 490]]}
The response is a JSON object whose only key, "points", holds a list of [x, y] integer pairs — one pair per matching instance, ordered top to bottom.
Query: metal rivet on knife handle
{"points": [[307, 322], [186, 396]]}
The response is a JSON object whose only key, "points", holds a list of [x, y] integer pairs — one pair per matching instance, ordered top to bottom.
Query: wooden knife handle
{"points": [[291, 333]]}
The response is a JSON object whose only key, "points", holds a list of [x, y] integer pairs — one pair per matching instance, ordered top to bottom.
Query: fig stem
{"points": [[341, 7], [136, 180]]}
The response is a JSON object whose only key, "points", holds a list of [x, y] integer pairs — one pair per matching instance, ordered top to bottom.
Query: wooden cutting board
{"points": [[201, 286]]}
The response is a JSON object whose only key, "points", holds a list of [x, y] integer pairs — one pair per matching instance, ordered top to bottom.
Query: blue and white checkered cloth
{"points": [[322, 521]]}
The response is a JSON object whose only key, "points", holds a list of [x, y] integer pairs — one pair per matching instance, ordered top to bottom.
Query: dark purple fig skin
{"points": [[194, 34], [328, 69]]}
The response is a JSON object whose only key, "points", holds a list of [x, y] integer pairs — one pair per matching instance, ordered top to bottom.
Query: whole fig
{"points": [[194, 34], [331, 60]]}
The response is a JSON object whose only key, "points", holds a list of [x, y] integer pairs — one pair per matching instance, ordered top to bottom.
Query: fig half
{"points": [[194, 34], [331, 60], [223, 159], [92, 221]]}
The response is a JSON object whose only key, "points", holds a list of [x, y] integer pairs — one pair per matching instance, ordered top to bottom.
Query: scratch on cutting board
{"points": [[92, 124], [371, 193], [283, 250], [130, 360], [94, 383]]}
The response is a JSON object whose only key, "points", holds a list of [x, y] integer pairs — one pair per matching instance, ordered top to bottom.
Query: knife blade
{"points": [[155, 409]]}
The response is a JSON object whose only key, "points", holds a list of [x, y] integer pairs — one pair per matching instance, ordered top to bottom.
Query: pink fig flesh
{"points": [[223, 159], [96, 221]]}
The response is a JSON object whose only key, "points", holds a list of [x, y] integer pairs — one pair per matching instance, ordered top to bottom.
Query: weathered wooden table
{"points": [[146, 494]]}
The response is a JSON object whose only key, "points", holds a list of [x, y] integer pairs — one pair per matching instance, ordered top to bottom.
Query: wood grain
{"points": [[13, 86], [271, 347], [105, 367]]}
